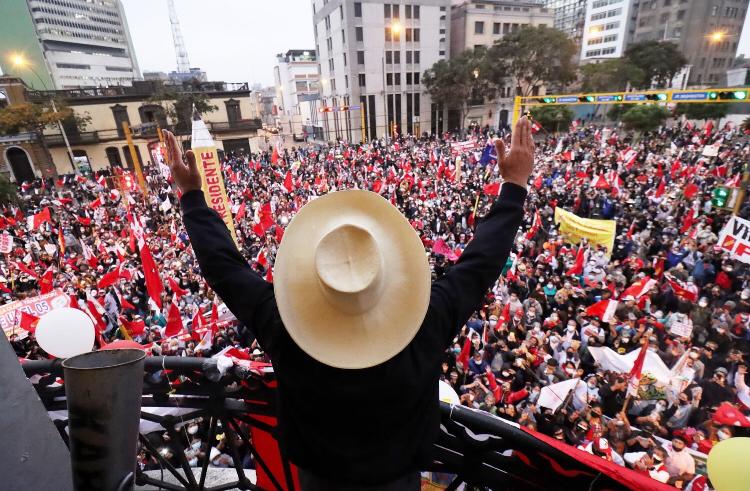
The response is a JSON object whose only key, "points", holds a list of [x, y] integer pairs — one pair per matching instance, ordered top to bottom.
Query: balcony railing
{"points": [[139, 88], [241, 125], [83, 138], [473, 447]]}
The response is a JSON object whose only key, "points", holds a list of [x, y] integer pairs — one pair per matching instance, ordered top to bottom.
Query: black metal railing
{"points": [[241, 125], [57, 140], [473, 447]]}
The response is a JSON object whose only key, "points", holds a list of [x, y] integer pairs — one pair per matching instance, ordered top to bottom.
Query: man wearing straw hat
{"points": [[354, 329]]}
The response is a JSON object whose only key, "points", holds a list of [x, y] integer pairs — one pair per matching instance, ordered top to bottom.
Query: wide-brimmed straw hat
{"points": [[352, 280]]}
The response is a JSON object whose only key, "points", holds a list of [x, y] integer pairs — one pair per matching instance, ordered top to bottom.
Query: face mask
{"points": [[493, 323], [570, 371], [592, 385], [661, 406], [620, 423], [193, 429], [723, 435], [657, 458]]}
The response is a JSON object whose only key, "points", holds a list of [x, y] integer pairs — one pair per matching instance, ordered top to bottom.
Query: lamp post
{"points": [[20, 62]]}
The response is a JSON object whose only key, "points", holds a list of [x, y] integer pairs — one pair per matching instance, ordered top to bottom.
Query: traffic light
{"points": [[713, 95], [739, 95], [661, 97], [587, 98], [545, 100], [344, 108], [325, 109], [719, 197]]}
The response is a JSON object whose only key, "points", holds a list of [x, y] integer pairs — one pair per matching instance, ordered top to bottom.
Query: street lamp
{"points": [[717, 37], [20, 62]]}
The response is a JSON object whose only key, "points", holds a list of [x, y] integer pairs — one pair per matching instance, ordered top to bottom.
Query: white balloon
{"points": [[65, 332], [447, 394]]}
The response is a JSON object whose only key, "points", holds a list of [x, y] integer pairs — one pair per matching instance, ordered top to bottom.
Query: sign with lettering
{"points": [[690, 96], [209, 166], [735, 239], [6, 243], [10, 314], [681, 329]]}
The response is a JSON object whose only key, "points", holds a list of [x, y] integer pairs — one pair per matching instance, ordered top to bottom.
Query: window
{"points": [[667, 3], [357, 9], [387, 10], [714, 10], [395, 11], [407, 11], [415, 11], [341, 12], [664, 18], [513, 27], [479, 28], [495, 28], [506, 28], [677, 32], [358, 34], [388, 34], [408, 35], [416, 35], [609, 39], [608, 51], [441, 52], [595, 52], [360, 57], [388, 57], [397, 57], [408, 57], [416, 57], [345, 59], [330, 64], [408, 78], [416, 78], [361, 79], [389, 79], [397, 79], [346, 81], [333, 85]]}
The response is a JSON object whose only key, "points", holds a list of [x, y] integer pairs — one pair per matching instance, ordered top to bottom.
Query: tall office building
{"points": [[569, 17], [608, 28], [707, 33], [68, 43], [372, 54], [297, 83]]}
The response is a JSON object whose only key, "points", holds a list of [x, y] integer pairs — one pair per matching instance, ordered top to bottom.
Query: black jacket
{"points": [[364, 426]]}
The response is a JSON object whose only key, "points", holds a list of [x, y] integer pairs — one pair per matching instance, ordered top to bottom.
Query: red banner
{"points": [[10, 314]]}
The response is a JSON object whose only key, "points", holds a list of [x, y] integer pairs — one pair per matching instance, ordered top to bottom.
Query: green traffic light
{"points": [[740, 94], [713, 95], [661, 97], [590, 98], [618, 98], [549, 100], [719, 197]]}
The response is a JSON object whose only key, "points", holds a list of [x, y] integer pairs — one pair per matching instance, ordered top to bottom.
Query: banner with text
{"points": [[575, 228], [735, 239], [10, 314]]}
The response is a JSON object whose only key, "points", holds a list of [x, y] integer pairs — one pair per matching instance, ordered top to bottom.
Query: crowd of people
{"points": [[85, 236]]}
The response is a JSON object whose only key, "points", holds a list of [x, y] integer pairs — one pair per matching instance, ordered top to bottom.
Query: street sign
{"points": [[690, 96], [635, 97], [608, 98], [567, 100]]}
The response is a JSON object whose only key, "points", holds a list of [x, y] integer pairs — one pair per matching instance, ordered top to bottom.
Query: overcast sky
{"points": [[232, 40], [235, 40]]}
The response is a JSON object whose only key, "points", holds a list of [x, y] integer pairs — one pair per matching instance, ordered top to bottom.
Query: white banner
{"points": [[735, 239], [6, 243], [681, 329], [652, 364], [553, 396]]}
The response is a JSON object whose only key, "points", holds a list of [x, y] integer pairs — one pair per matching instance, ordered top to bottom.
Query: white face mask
{"points": [[493, 323], [592, 385], [193, 429], [723, 435]]}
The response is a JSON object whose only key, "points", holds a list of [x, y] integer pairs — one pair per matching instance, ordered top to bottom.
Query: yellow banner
{"points": [[213, 185], [575, 228]]}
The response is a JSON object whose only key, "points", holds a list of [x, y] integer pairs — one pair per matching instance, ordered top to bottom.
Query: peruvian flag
{"points": [[535, 127], [709, 128], [628, 157], [102, 181], [615, 181], [734, 181], [288, 182], [538, 182], [599, 182], [377, 186], [492, 189], [661, 189], [96, 203], [240, 213], [39, 218], [535, 226], [629, 235], [88, 256], [261, 257], [658, 267], [577, 268], [151, 273], [269, 275], [109, 279], [45, 282], [175, 287], [640, 287], [681, 290], [603, 310], [96, 311], [174, 320], [28, 322], [197, 322], [134, 327], [206, 342], [463, 357], [634, 378]]}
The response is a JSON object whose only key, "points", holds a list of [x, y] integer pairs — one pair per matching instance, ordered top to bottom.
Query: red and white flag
{"points": [[535, 127], [599, 182], [535, 226], [577, 268], [640, 287], [688, 293], [603, 310], [174, 320], [634, 378]]}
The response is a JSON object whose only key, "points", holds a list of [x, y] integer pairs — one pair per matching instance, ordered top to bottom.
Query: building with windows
{"points": [[570, 17], [479, 23], [608, 28], [707, 32], [67, 43], [371, 57], [296, 82], [102, 143]]}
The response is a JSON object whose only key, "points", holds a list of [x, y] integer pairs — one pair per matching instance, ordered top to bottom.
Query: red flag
{"points": [[535, 127], [709, 128], [274, 155], [288, 182], [538, 182], [599, 182], [377, 186], [492, 189], [661, 189], [690, 190], [96, 203], [240, 213], [41, 217], [535, 226], [629, 235], [440, 247], [88, 256], [261, 257], [659, 267], [577, 268], [28, 271], [151, 272], [269, 275], [109, 279], [45, 282], [175, 287], [639, 288], [682, 291], [124, 303], [96, 310], [603, 310], [214, 319], [174, 320], [197, 321], [28, 322], [135, 327], [463, 357], [634, 378], [492, 381], [730, 415]]}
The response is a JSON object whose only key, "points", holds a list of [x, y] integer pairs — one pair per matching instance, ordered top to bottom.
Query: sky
{"points": [[231, 40]]}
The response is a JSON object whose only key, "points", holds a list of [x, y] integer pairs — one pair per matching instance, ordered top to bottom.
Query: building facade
{"points": [[570, 17], [479, 23], [608, 29], [706, 31], [67, 44], [371, 55], [296, 81], [102, 143]]}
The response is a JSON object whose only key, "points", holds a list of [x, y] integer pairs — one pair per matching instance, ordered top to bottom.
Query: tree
{"points": [[532, 57], [659, 60], [611, 75], [456, 82], [180, 106], [617, 110], [702, 111], [33, 117], [644, 117], [553, 118], [8, 191]]}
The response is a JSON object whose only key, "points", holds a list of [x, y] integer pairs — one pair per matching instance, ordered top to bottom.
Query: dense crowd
{"points": [[85, 235]]}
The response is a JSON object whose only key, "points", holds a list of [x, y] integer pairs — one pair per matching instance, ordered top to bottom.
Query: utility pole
{"points": [[134, 157]]}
